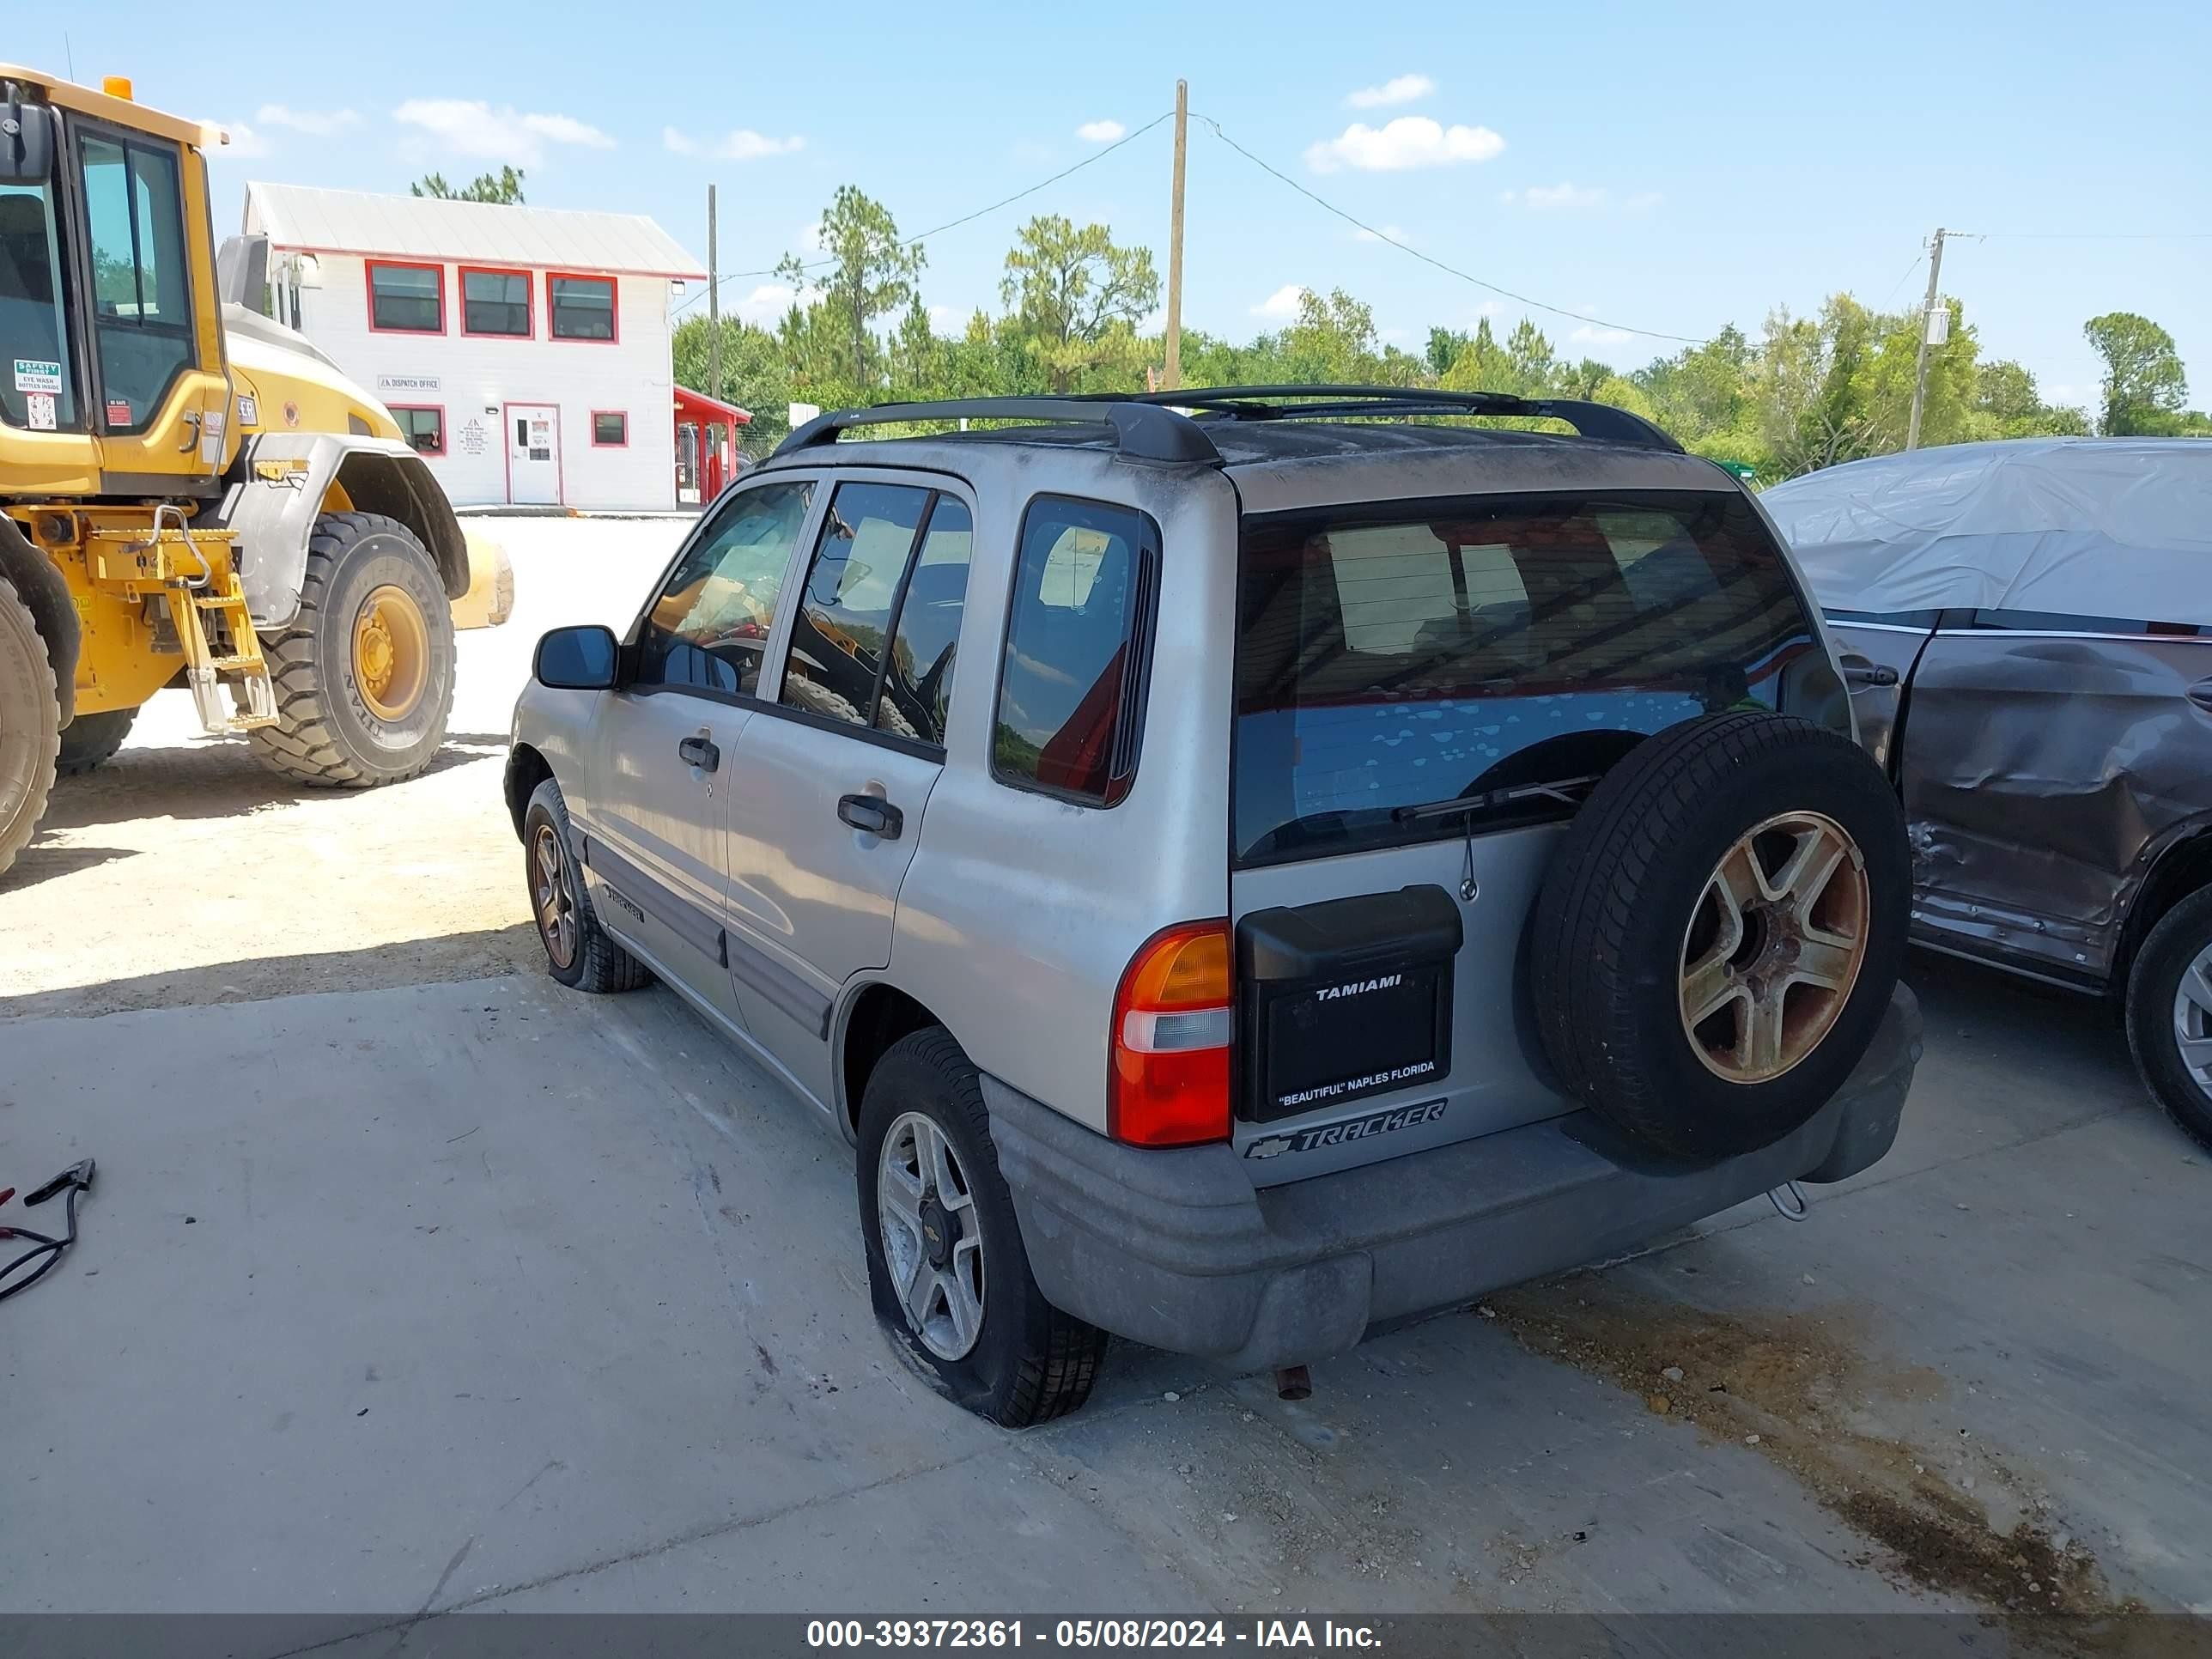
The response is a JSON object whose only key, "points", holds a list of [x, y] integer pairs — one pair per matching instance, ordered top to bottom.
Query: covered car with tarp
{"points": [[2028, 630]]}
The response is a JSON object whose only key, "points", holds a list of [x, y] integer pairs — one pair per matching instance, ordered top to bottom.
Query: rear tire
{"points": [[347, 717], [30, 726], [91, 740], [1721, 931], [578, 951], [2169, 1001], [1024, 1361]]}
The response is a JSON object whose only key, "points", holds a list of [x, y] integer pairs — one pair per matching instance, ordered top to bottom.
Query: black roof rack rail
{"points": [[1333, 403], [1144, 429]]}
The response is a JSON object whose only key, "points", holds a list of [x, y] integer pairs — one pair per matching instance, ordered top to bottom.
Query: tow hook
{"points": [[1788, 1201]]}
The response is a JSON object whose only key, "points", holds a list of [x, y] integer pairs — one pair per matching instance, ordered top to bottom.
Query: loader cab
{"points": [[113, 379]]}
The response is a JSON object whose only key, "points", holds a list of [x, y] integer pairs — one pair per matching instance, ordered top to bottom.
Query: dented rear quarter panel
{"points": [[2044, 775]]}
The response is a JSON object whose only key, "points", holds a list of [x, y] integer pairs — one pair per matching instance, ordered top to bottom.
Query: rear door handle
{"points": [[700, 751], [873, 814]]}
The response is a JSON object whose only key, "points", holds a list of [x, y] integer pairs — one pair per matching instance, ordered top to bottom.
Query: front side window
{"points": [[407, 299], [495, 302], [581, 308], [141, 318], [39, 389], [424, 428], [709, 629], [1395, 655], [1071, 690]]}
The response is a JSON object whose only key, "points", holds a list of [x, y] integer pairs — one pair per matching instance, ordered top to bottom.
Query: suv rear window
{"points": [[1393, 654]]}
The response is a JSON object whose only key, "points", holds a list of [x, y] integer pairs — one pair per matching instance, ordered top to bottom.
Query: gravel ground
{"points": [[181, 872]]}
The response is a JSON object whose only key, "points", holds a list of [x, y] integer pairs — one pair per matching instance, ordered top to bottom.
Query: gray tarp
{"points": [[2084, 526]]}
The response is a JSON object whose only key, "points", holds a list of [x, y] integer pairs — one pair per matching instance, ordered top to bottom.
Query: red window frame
{"points": [[369, 269], [529, 301], [614, 306], [437, 408], [596, 413]]}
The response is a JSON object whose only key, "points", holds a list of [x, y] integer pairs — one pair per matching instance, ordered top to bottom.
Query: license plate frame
{"points": [[1319, 1044]]}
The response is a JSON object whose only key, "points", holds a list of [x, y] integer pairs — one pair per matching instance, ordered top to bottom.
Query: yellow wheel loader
{"points": [[191, 494]]}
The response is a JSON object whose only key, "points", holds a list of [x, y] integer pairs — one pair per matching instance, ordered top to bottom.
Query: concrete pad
{"points": [[595, 1283]]}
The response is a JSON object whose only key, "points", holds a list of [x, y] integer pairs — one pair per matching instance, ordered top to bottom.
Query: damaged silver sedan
{"points": [[2028, 630]]}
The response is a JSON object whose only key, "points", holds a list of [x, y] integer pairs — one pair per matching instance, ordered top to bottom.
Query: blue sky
{"points": [[1670, 168]]}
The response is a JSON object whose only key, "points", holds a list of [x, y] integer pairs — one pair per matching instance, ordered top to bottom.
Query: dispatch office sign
{"points": [[406, 383]]}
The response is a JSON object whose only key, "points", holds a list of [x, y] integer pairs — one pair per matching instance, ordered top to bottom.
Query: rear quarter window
{"points": [[1079, 632], [1399, 654]]}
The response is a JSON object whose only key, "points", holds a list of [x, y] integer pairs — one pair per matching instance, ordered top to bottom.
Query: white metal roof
{"points": [[302, 217]]}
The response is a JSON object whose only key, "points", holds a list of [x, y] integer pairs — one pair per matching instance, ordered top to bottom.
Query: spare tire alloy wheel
{"points": [[1716, 940], [1774, 947], [933, 1238]]}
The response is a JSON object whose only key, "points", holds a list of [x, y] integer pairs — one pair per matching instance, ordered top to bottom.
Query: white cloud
{"points": [[1400, 89], [316, 123], [472, 127], [1100, 132], [1411, 141], [244, 143], [741, 144], [1564, 195], [1644, 201], [1388, 234], [810, 236], [1282, 305], [765, 306], [1491, 308], [948, 320], [1585, 335]]}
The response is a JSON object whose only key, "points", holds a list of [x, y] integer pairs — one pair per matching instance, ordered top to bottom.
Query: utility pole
{"points": [[714, 308], [1920, 363], [1173, 377]]}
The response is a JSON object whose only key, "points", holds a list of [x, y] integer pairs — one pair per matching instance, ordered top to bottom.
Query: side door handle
{"points": [[1865, 672], [2201, 694], [700, 751], [873, 814]]}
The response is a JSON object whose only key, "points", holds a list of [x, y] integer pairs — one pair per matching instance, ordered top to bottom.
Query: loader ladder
{"points": [[193, 575]]}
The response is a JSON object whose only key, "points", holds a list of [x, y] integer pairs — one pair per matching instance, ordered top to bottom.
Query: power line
{"points": [[965, 218], [1450, 270]]}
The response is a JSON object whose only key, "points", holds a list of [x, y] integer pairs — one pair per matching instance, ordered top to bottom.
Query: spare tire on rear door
{"points": [[1718, 936]]}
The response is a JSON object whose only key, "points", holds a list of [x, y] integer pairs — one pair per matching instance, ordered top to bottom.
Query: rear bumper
{"points": [[1177, 1250]]}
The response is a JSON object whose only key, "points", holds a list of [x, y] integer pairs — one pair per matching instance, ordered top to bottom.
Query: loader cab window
{"points": [[142, 321], [39, 389]]}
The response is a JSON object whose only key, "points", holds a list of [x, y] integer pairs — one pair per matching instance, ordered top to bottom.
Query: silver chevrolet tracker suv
{"points": [[1241, 867]]}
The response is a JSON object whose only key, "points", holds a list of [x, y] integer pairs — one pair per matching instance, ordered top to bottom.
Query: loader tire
{"points": [[364, 676], [30, 726], [91, 740]]}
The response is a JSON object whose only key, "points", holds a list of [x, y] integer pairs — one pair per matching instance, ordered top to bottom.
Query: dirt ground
{"points": [[183, 874]]}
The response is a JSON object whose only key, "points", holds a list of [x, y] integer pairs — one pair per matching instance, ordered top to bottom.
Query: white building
{"points": [[525, 350]]}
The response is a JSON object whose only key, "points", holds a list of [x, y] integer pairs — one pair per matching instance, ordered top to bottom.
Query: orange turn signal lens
{"points": [[1173, 1026]]}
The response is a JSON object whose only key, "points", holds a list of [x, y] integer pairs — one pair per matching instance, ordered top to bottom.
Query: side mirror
{"points": [[26, 140], [580, 659]]}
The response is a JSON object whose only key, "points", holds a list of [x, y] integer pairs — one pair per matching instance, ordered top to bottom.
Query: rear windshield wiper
{"points": [[1568, 791]]}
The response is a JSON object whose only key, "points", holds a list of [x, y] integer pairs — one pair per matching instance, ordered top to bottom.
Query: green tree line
{"points": [[1800, 393]]}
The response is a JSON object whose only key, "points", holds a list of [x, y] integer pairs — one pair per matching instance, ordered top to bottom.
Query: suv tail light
{"points": [[1174, 1021]]}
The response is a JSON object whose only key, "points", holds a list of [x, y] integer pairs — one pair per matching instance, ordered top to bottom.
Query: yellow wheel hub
{"points": [[391, 653]]}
